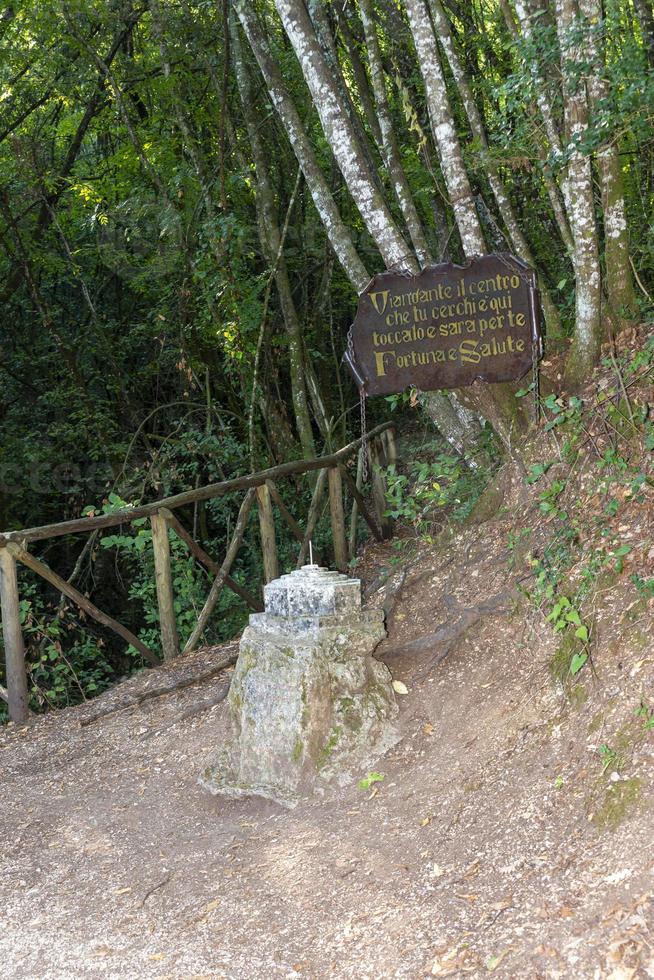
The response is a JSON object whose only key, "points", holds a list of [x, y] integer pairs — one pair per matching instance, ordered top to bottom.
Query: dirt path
{"points": [[484, 850]]}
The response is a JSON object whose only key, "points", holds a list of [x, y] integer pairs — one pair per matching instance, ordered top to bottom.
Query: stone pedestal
{"points": [[310, 707]]}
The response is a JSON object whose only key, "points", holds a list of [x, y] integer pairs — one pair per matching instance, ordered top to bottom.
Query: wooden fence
{"points": [[261, 488]]}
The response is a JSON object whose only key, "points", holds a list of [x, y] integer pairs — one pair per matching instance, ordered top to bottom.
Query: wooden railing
{"points": [[261, 488]]}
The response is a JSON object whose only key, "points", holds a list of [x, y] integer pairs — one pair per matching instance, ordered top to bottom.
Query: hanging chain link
{"points": [[536, 342], [535, 377], [365, 467]]}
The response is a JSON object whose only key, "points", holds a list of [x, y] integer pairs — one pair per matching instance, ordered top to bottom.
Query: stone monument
{"points": [[310, 706]]}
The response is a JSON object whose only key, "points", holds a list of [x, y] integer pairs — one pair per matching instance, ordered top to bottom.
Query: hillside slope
{"points": [[511, 833]]}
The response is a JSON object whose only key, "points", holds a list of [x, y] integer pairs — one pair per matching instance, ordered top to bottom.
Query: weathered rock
{"points": [[310, 706]]}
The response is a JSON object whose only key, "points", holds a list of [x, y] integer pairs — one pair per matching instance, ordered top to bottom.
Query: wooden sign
{"points": [[445, 327]]}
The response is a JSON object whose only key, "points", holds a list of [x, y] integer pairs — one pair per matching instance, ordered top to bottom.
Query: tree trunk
{"points": [[645, 17], [444, 131], [342, 138], [388, 144], [581, 206], [338, 233], [518, 241], [271, 243], [618, 282]]}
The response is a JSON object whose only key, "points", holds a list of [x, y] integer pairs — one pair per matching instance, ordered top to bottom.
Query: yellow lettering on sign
{"points": [[379, 361]]}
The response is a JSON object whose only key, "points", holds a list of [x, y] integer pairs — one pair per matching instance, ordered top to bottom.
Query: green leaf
{"points": [[574, 617], [582, 633], [578, 662], [372, 777]]}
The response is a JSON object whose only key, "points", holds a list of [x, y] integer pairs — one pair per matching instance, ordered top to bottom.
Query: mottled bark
{"points": [[645, 17], [320, 19], [541, 87], [363, 88], [444, 130], [342, 137], [388, 141], [551, 186], [580, 203], [338, 233], [518, 241], [272, 245], [618, 282], [460, 428]]}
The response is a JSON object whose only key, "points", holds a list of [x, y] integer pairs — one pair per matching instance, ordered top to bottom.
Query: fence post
{"points": [[390, 446], [379, 493], [312, 517], [338, 518], [267, 528], [352, 543], [164, 581], [13, 639]]}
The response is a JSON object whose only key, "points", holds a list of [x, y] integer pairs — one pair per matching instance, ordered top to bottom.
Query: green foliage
{"points": [[134, 282], [442, 483], [134, 552], [66, 663], [646, 712], [610, 758], [370, 780]]}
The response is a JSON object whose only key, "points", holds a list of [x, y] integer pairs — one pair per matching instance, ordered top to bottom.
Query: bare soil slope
{"points": [[494, 843]]}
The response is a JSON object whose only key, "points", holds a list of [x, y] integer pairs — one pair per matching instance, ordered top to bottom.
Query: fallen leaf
{"points": [[400, 688], [427, 728], [425, 821], [473, 869], [122, 891], [505, 903], [212, 905], [157, 956], [495, 961], [454, 962], [622, 973]]}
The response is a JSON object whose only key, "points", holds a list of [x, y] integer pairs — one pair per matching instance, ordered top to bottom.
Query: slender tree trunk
{"points": [[317, 10], [645, 17], [360, 75], [541, 89], [444, 131], [342, 138], [388, 140], [551, 186], [581, 206], [338, 233], [270, 236], [518, 241], [618, 283], [499, 397], [461, 429]]}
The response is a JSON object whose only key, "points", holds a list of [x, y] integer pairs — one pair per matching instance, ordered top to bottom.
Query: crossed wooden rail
{"points": [[260, 487]]}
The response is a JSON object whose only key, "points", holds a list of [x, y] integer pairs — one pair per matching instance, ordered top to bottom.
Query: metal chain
{"points": [[350, 342], [535, 376], [365, 469]]}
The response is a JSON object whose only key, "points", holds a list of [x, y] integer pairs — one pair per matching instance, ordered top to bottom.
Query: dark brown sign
{"points": [[445, 327]]}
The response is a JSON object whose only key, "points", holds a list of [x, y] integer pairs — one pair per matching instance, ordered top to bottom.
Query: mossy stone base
{"points": [[308, 711]]}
